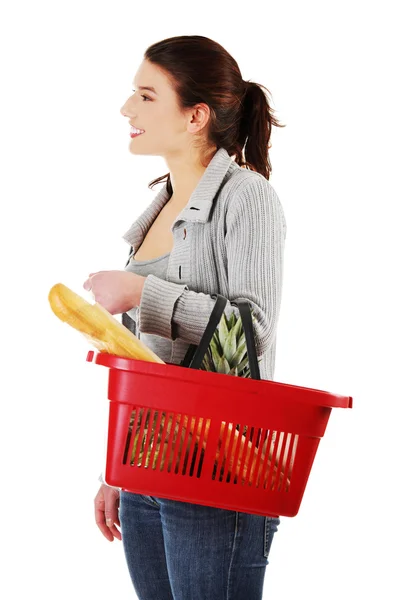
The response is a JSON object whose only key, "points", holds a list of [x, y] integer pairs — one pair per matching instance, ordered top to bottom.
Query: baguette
{"points": [[99, 327]]}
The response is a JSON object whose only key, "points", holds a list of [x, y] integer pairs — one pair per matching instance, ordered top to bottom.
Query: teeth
{"points": [[134, 130]]}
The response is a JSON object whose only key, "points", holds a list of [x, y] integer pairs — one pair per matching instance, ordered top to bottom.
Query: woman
{"points": [[214, 227]]}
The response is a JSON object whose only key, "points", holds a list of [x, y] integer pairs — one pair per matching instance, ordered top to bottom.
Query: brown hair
{"points": [[201, 70]]}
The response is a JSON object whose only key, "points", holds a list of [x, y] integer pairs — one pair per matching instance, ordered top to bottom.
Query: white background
{"points": [[70, 189]]}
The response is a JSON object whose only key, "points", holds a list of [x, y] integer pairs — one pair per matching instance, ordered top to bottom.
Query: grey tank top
{"points": [[158, 267]]}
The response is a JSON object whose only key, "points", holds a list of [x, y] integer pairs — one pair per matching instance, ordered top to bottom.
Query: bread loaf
{"points": [[100, 328]]}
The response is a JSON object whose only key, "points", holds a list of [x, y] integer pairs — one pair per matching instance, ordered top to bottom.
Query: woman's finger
{"points": [[99, 507], [104, 529], [116, 533]]}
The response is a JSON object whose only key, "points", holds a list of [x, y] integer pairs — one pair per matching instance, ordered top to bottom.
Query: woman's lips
{"points": [[135, 134]]}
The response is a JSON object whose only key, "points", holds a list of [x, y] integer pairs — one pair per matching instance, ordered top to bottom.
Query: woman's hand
{"points": [[116, 291], [106, 505]]}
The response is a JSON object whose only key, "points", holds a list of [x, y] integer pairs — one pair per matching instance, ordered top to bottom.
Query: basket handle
{"points": [[247, 321], [195, 354]]}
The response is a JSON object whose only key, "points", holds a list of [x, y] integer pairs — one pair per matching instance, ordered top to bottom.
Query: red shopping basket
{"points": [[289, 419], [207, 438]]}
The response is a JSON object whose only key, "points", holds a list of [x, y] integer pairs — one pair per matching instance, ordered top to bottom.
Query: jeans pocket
{"points": [[150, 500], [270, 528]]}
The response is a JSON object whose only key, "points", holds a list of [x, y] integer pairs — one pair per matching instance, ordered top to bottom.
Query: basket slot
{"points": [[160, 419], [134, 422], [167, 426], [137, 433], [185, 434], [148, 435], [296, 439], [183, 440], [127, 443], [170, 443], [187, 443], [202, 443], [153, 445], [178, 445], [192, 446], [238, 448], [265, 452], [228, 453], [244, 454], [280, 454], [219, 459], [289, 459], [250, 471], [254, 473], [270, 474]]}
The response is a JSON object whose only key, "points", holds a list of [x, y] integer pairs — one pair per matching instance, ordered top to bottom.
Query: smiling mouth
{"points": [[135, 131]]}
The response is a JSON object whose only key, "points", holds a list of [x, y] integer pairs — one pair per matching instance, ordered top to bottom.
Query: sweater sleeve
{"points": [[254, 239]]}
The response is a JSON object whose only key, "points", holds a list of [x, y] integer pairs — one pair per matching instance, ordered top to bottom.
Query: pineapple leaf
{"points": [[232, 320], [238, 328], [223, 330], [215, 337], [214, 346], [230, 347], [215, 354], [239, 355], [208, 362], [243, 365], [223, 366]]}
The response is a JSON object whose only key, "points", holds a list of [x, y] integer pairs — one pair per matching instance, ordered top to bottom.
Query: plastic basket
{"points": [[207, 414]]}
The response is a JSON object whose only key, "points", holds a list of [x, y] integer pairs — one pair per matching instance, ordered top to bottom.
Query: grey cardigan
{"points": [[228, 239]]}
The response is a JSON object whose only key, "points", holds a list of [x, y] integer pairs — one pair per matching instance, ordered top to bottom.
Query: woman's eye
{"points": [[143, 96]]}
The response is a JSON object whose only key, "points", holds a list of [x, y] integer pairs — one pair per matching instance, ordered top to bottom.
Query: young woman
{"points": [[216, 226]]}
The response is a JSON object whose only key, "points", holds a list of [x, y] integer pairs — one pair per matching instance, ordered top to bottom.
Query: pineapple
{"points": [[227, 351]]}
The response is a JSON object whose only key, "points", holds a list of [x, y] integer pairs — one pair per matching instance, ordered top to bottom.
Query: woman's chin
{"points": [[133, 149]]}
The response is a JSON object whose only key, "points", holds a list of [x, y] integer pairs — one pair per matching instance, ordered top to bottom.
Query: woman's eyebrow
{"points": [[142, 87]]}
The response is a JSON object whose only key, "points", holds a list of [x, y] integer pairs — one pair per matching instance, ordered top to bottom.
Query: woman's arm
{"points": [[255, 238]]}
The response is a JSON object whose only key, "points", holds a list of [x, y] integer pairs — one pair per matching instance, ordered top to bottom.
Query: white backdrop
{"points": [[70, 189]]}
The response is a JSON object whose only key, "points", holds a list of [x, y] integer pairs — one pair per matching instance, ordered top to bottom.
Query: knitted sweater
{"points": [[228, 239]]}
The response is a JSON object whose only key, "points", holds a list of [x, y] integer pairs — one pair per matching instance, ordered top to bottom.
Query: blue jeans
{"points": [[182, 551]]}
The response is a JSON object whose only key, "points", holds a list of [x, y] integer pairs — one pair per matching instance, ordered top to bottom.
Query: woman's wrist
{"points": [[140, 291], [135, 296], [105, 483]]}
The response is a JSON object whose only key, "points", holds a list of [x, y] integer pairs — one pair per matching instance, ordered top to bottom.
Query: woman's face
{"points": [[156, 112]]}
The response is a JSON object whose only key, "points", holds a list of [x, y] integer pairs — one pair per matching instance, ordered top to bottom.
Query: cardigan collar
{"points": [[198, 207]]}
